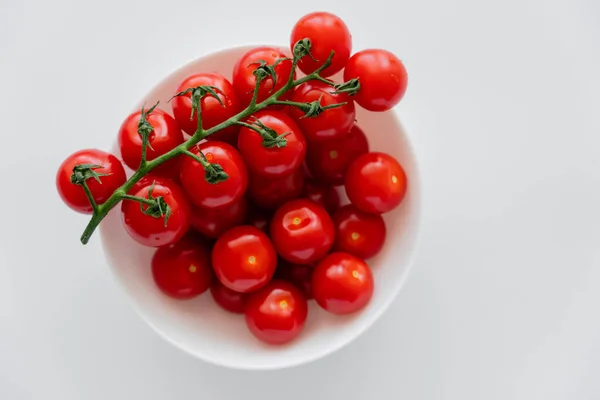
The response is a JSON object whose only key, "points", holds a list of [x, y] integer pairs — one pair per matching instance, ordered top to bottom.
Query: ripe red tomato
{"points": [[327, 32], [382, 76], [244, 80], [213, 113], [331, 124], [272, 161], [328, 161], [375, 183], [271, 193], [74, 195], [213, 195], [324, 195], [259, 218], [212, 222], [148, 230], [302, 231], [357, 232], [244, 259], [182, 270], [299, 275], [342, 283], [228, 299], [276, 313]]}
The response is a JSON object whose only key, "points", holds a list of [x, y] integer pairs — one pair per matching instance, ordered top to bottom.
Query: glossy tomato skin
{"points": [[327, 33], [382, 76], [244, 80], [213, 113], [331, 124], [272, 161], [328, 161], [376, 183], [272, 193], [74, 195], [214, 195], [324, 195], [212, 222], [150, 231], [302, 231], [357, 232], [244, 259], [182, 270], [299, 275], [342, 283], [228, 299], [276, 314]]}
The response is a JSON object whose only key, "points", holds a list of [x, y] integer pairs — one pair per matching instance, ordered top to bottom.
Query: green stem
{"points": [[205, 164], [91, 199], [141, 200]]}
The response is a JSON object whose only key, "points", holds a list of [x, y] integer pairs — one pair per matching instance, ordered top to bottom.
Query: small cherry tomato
{"points": [[327, 33], [382, 76], [244, 80], [213, 112], [331, 124], [264, 156], [111, 175], [375, 183], [273, 192], [322, 194], [212, 195], [259, 218], [212, 222], [153, 231], [302, 231], [357, 232], [244, 259], [182, 270], [299, 275], [342, 283], [228, 299], [276, 313]]}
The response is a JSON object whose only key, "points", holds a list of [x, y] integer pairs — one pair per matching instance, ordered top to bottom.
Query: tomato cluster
{"points": [[253, 212]]}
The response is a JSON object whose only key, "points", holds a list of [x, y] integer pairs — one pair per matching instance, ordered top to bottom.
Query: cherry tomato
{"points": [[327, 33], [382, 76], [244, 80], [213, 113], [331, 124], [273, 161], [375, 183], [271, 193], [322, 194], [74, 195], [213, 195], [259, 218], [212, 222], [148, 230], [302, 231], [357, 232], [244, 259], [182, 270], [299, 275], [342, 283], [228, 299], [276, 313]]}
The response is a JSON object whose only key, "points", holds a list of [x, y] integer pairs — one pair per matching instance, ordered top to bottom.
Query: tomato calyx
{"points": [[302, 49], [264, 70], [350, 87], [196, 94], [311, 109], [144, 129], [269, 135], [83, 172], [214, 173], [155, 207]]}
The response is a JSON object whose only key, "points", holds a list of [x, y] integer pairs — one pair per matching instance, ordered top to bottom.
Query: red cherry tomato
{"points": [[327, 33], [382, 76], [244, 80], [213, 113], [331, 124], [273, 161], [328, 161], [375, 183], [271, 193], [322, 194], [74, 195], [213, 195], [259, 218], [212, 222], [148, 230], [302, 231], [357, 232], [244, 259], [182, 270], [299, 275], [342, 283], [228, 299], [277, 313]]}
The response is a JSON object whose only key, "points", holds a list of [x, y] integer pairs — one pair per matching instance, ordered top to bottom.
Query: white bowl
{"points": [[204, 330]]}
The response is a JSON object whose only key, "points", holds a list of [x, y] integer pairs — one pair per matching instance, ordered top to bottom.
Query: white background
{"points": [[503, 111]]}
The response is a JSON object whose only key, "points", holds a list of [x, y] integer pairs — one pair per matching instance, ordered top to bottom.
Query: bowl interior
{"points": [[200, 327]]}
